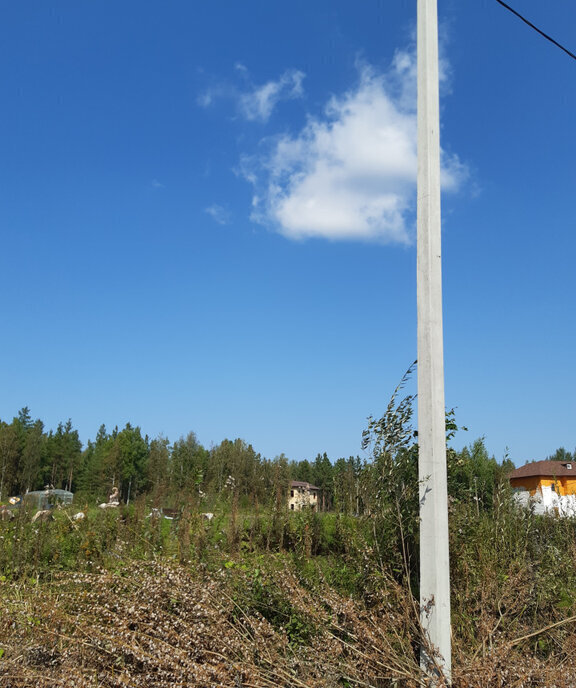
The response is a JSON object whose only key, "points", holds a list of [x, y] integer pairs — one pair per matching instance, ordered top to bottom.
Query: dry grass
{"points": [[139, 606], [158, 625], [161, 625]]}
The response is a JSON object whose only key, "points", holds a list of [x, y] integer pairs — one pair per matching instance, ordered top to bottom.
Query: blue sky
{"points": [[208, 219]]}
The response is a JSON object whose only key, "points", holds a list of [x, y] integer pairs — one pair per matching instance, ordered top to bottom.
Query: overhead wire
{"points": [[532, 26]]}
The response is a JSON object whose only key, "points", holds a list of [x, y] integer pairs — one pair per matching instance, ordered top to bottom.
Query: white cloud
{"points": [[213, 93], [205, 99], [255, 103], [259, 103], [350, 174], [218, 213]]}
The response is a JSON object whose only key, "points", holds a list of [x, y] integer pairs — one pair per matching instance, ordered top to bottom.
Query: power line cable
{"points": [[546, 36]]}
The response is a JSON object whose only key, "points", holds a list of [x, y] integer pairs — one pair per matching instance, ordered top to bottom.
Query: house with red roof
{"points": [[559, 476], [547, 486]]}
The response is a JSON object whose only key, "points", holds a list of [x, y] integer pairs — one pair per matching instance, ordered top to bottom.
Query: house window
{"points": [[291, 493], [292, 507]]}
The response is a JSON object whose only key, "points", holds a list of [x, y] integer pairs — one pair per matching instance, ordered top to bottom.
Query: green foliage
{"points": [[393, 431], [9, 453], [131, 453], [561, 455], [63, 457], [186, 464], [303, 471], [473, 475], [157, 478], [347, 482], [393, 500], [256, 592]]}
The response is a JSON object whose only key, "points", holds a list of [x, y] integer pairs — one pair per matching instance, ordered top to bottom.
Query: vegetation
{"points": [[169, 474], [260, 596]]}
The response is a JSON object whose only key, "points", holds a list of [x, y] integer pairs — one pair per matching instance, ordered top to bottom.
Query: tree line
{"points": [[32, 457]]}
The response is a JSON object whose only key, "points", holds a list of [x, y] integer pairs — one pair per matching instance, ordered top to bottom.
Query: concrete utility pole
{"points": [[434, 557]]}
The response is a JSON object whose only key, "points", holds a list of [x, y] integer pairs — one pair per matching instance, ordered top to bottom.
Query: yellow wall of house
{"points": [[564, 485], [568, 485]]}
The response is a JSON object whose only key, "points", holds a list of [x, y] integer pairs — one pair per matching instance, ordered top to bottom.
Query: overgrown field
{"points": [[278, 599]]}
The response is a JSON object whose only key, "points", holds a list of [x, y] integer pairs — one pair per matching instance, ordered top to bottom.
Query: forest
{"points": [[32, 457]]}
